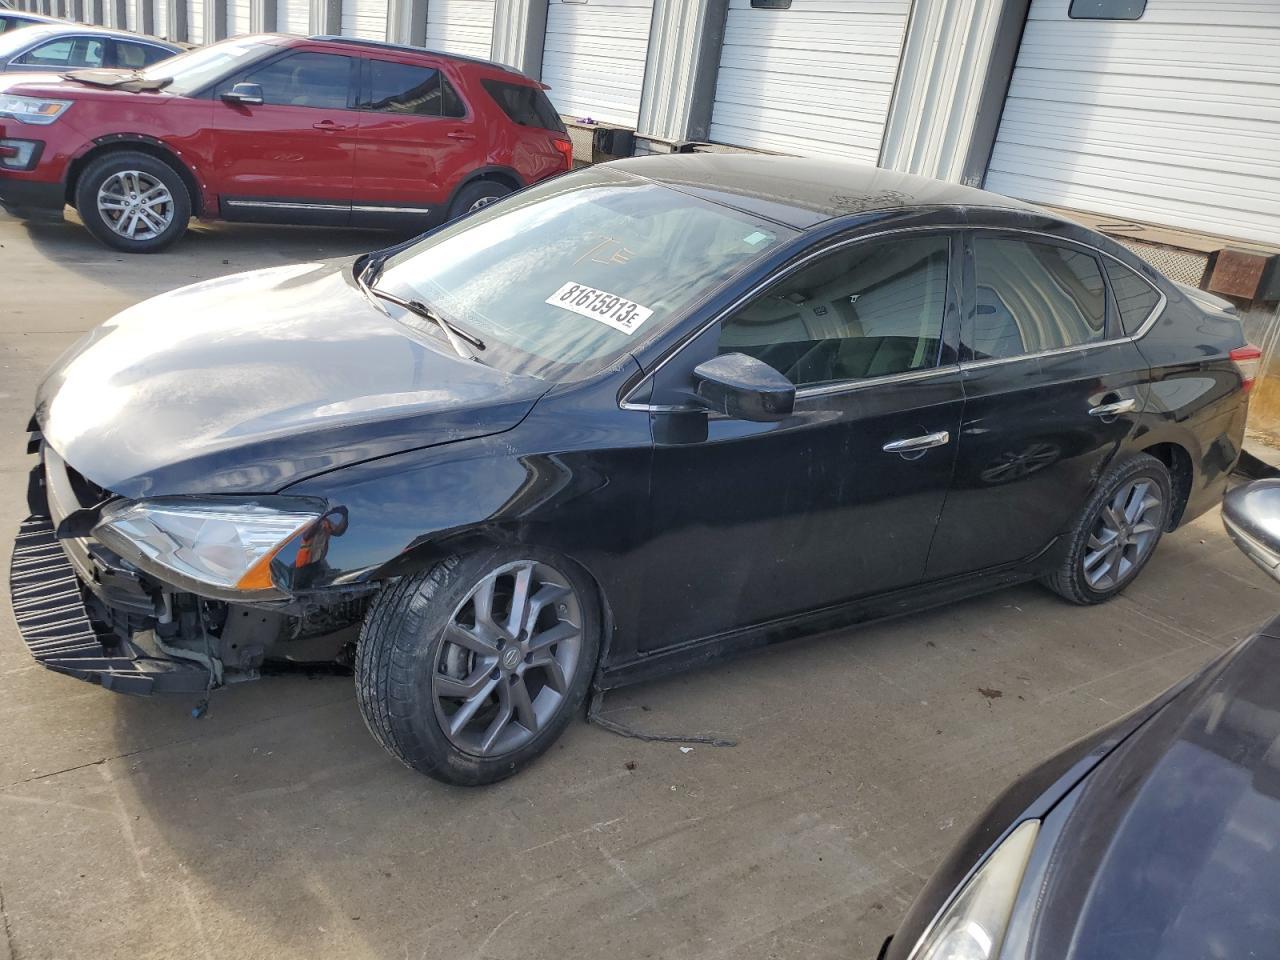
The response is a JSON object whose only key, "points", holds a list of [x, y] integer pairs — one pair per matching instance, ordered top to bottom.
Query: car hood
{"points": [[110, 84], [251, 382], [1172, 849]]}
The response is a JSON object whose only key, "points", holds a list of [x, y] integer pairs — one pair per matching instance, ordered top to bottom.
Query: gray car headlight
{"points": [[216, 547], [973, 925]]}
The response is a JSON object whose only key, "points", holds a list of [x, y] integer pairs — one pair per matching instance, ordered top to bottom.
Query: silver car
{"points": [[59, 47]]}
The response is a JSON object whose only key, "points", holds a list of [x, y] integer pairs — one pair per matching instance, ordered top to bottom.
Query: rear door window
{"points": [[135, 56], [302, 79], [408, 88], [525, 105], [1030, 297], [1135, 297]]}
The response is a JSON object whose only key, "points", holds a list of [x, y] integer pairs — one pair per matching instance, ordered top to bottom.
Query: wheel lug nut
{"points": [[528, 658], [496, 673]]}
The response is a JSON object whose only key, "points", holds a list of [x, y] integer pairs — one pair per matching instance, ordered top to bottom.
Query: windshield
{"points": [[197, 69], [563, 278]]}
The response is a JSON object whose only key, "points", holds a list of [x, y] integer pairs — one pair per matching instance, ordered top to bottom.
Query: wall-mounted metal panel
{"points": [[293, 16], [239, 17], [195, 21], [519, 33], [594, 57], [680, 75], [815, 79], [1171, 119]]}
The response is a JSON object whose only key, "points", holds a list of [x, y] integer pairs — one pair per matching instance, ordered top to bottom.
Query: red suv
{"points": [[274, 129]]}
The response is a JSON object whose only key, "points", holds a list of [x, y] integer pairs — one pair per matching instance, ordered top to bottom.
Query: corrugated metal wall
{"points": [[239, 14], [159, 17], [195, 20], [460, 26], [594, 55], [814, 80], [1172, 119]]}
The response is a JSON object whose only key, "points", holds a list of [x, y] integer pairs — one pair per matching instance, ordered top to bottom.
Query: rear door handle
{"points": [[329, 125], [460, 135], [1113, 409], [918, 444]]}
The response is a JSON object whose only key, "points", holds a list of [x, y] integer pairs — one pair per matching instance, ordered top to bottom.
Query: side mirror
{"points": [[246, 94], [744, 388], [1251, 514]]}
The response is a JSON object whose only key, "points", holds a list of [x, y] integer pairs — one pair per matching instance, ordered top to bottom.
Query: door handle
{"points": [[329, 125], [460, 135], [1113, 409], [918, 444]]}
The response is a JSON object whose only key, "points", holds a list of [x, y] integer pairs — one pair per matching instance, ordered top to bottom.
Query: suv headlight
{"points": [[37, 110], [215, 547], [973, 925]]}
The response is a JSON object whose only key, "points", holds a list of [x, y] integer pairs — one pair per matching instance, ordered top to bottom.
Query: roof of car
{"points": [[55, 27], [404, 48], [803, 191]]}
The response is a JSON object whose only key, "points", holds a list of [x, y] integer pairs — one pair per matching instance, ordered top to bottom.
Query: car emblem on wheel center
{"points": [[511, 658]]}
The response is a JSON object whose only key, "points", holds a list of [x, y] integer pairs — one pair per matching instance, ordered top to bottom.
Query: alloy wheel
{"points": [[482, 202], [135, 205], [1124, 532], [508, 658]]}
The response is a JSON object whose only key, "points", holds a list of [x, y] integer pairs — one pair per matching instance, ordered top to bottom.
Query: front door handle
{"points": [[329, 126], [460, 135], [1113, 409], [918, 444]]}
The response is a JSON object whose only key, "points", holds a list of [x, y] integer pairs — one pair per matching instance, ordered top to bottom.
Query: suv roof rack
{"points": [[406, 48]]}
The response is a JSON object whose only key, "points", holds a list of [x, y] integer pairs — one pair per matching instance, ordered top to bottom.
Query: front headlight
{"points": [[37, 110], [217, 547], [972, 927]]}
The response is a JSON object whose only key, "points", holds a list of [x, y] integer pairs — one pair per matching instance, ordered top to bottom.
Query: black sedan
{"points": [[617, 424], [1153, 838]]}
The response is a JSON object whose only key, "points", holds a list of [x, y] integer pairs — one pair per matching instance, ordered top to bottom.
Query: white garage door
{"points": [[132, 15], [294, 16], [238, 17], [160, 18], [366, 19], [195, 21], [460, 26], [594, 57], [813, 80], [1171, 119]]}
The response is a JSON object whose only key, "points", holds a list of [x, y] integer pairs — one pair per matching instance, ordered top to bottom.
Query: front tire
{"points": [[133, 202], [1116, 533], [470, 670]]}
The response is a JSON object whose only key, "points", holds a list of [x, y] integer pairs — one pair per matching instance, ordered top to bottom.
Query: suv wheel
{"points": [[476, 195], [133, 202], [1116, 533], [469, 671]]}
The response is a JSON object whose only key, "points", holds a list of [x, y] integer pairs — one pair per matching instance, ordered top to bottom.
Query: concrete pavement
{"points": [[276, 827]]}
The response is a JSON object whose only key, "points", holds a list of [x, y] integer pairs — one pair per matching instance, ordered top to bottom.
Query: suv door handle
{"points": [[329, 126], [460, 135], [1113, 409], [918, 444]]}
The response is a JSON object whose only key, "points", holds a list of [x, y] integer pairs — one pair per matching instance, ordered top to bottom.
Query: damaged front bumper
{"points": [[84, 611]]}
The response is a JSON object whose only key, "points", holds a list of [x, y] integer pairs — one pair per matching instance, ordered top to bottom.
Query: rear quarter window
{"points": [[526, 105], [1135, 298]]}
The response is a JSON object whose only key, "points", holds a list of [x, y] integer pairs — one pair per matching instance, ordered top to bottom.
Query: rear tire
{"points": [[475, 196], [134, 202], [1116, 533], [459, 678]]}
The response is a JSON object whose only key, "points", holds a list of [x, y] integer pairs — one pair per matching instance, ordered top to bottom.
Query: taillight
{"points": [[565, 147], [1247, 360]]}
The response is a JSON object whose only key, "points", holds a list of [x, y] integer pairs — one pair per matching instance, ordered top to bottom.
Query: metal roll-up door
{"points": [[133, 15], [294, 16], [238, 17], [160, 18], [366, 19], [195, 21], [460, 26], [593, 58], [814, 79], [1170, 119]]}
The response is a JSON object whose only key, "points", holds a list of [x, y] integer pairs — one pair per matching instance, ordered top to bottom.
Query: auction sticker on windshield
{"points": [[608, 308]]}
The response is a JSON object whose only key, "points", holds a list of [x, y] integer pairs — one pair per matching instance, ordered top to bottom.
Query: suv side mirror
{"points": [[246, 94], [744, 388], [1251, 514]]}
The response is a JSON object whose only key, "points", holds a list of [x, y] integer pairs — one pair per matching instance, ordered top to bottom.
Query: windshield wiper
{"points": [[456, 336]]}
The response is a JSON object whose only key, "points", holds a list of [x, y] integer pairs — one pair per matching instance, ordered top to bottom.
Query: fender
{"points": [[183, 163]]}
